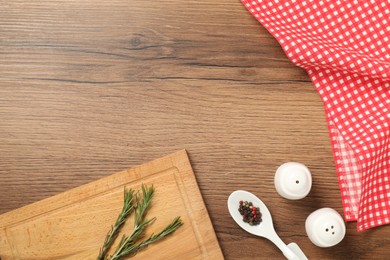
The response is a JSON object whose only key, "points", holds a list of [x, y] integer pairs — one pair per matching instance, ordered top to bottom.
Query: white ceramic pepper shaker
{"points": [[293, 180], [325, 227]]}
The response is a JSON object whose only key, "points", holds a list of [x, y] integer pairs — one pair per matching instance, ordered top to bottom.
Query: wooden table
{"points": [[89, 88]]}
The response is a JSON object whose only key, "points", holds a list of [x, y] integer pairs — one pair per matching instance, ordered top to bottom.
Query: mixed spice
{"points": [[250, 214]]}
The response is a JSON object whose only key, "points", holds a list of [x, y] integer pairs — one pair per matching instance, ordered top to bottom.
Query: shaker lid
{"points": [[293, 180], [325, 227]]}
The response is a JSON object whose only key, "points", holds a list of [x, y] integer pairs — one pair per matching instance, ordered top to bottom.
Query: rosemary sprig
{"points": [[143, 204], [128, 207], [128, 245], [133, 249]]}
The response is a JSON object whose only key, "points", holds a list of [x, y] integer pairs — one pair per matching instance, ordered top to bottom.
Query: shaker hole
{"points": [[297, 182], [327, 229]]}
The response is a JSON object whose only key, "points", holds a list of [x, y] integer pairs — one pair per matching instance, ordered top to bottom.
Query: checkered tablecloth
{"points": [[345, 48]]}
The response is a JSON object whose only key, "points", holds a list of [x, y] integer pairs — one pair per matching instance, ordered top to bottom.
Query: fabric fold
{"points": [[345, 48]]}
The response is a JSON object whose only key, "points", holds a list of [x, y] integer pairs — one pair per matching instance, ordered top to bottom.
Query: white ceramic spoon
{"points": [[265, 228]]}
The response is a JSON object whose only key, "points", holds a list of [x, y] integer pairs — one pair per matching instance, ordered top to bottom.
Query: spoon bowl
{"points": [[265, 228]]}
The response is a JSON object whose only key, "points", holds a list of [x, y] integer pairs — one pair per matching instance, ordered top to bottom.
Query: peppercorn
{"points": [[250, 213]]}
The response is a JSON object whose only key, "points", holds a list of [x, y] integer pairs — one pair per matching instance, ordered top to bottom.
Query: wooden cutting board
{"points": [[73, 224]]}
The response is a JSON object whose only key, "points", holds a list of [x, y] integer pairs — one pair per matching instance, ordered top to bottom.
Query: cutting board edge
{"points": [[212, 251]]}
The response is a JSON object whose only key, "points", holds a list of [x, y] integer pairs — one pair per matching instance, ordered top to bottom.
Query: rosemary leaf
{"points": [[128, 207]]}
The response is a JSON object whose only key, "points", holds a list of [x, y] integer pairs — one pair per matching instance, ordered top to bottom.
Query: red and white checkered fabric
{"points": [[345, 48]]}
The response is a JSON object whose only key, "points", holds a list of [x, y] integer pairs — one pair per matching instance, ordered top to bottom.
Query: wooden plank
{"points": [[89, 87], [73, 224]]}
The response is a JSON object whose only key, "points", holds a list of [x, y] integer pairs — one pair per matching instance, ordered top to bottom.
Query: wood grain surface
{"points": [[88, 88]]}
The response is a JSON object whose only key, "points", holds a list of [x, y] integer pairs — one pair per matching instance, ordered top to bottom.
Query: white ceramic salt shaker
{"points": [[293, 180], [325, 227]]}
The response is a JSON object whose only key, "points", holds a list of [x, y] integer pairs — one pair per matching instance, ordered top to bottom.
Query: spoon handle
{"points": [[287, 252]]}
